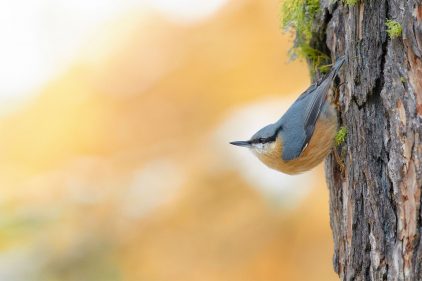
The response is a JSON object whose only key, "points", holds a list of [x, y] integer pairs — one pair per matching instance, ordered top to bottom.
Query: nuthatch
{"points": [[304, 135]]}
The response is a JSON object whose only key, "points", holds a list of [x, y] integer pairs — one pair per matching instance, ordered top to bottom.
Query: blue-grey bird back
{"points": [[298, 123]]}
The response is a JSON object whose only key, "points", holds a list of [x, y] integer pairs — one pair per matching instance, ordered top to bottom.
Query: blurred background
{"points": [[115, 118]]}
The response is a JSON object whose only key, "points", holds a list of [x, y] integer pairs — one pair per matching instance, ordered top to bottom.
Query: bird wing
{"points": [[314, 98], [314, 107], [297, 140]]}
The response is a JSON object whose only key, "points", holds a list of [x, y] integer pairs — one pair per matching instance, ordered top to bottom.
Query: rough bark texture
{"points": [[375, 202]]}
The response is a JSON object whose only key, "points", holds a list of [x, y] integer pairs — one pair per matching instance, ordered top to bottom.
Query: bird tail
{"points": [[336, 67]]}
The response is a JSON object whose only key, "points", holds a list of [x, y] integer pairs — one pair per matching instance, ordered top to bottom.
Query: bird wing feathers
{"points": [[313, 100], [313, 109], [296, 139]]}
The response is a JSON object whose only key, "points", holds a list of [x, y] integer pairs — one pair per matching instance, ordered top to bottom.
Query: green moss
{"points": [[351, 3], [298, 16], [394, 29], [324, 68], [341, 136]]}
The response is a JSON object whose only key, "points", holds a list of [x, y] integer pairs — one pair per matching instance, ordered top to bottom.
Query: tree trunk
{"points": [[375, 200]]}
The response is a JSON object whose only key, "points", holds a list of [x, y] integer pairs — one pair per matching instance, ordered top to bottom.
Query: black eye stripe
{"points": [[270, 138], [264, 140]]}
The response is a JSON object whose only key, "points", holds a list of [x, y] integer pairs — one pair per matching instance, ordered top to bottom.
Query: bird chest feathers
{"points": [[317, 149]]}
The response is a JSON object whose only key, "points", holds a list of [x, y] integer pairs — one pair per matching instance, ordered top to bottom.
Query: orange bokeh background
{"points": [[118, 167]]}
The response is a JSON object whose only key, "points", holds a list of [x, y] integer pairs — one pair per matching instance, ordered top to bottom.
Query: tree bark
{"points": [[375, 201]]}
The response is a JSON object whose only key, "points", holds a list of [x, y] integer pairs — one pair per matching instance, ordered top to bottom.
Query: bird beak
{"points": [[241, 143]]}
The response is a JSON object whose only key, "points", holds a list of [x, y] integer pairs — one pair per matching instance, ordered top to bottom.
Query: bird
{"points": [[304, 135]]}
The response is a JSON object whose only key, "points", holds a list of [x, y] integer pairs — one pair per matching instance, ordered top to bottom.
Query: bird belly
{"points": [[318, 147]]}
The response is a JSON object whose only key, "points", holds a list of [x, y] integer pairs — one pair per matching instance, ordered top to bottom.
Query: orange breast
{"points": [[318, 148]]}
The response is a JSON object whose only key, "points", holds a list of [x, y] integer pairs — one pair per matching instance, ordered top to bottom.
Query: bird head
{"points": [[264, 142]]}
